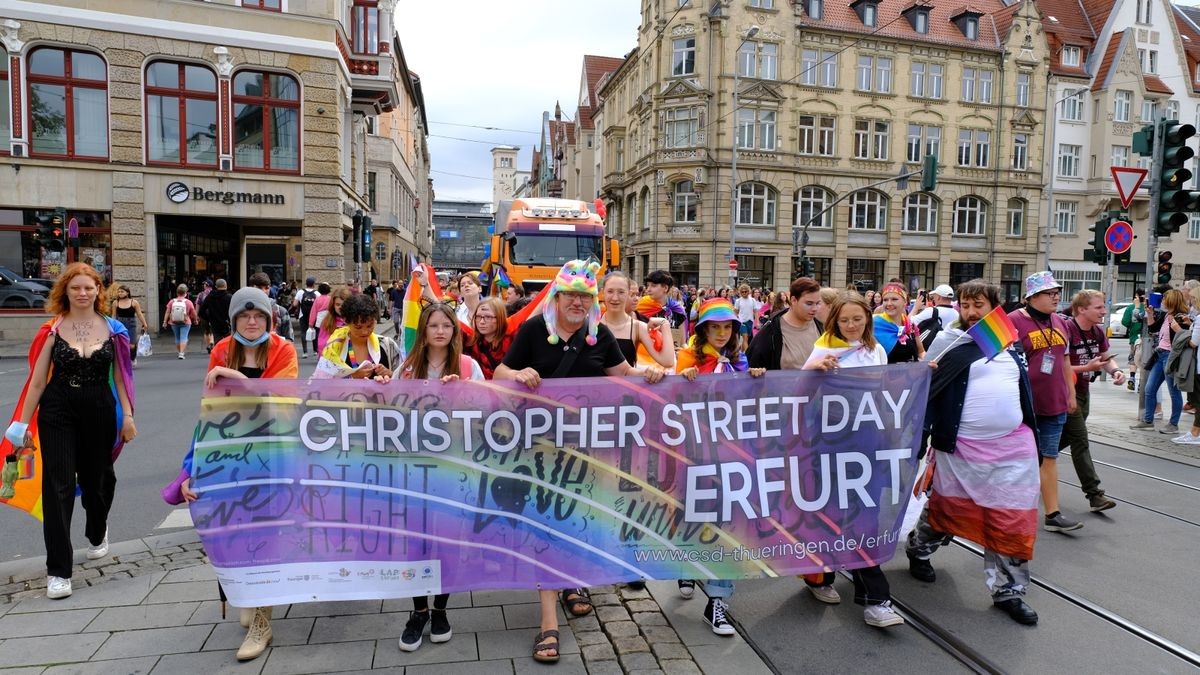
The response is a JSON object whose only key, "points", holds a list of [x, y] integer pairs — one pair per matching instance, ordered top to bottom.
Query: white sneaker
{"points": [[181, 355], [1186, 439], [99, 550], [57, 588], [687, 588], [826, 594], [882, 615]]}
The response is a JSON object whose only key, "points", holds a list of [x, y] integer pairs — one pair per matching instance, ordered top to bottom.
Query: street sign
{"points": [[1128, 179], [1118, 238], [733, 264]]}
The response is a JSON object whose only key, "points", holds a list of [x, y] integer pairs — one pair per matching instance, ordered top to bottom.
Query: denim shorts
{"points": [[746, 327], [181, 331], [1049, 432]]}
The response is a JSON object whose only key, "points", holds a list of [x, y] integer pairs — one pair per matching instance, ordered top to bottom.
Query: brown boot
{"points": [[258, 636]]}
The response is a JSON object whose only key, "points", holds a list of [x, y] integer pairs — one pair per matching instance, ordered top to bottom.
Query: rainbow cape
{"points": [[993, 333], [28, 493]]}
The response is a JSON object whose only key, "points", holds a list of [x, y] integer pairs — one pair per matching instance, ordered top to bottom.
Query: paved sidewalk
{"points": [[1114, 408], [152, 607]]}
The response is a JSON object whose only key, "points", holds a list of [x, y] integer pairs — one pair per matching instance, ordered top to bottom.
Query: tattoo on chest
{"points": [[82, 331]]}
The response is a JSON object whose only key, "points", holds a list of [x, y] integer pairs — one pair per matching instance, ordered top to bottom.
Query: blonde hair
{"points": [[1084, 298], [847, 300]]}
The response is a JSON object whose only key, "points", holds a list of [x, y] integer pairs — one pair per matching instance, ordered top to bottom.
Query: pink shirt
{"points": [[1164, 335]]}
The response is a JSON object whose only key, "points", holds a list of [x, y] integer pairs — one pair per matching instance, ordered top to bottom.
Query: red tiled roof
{"points": [[839, 16], [1003, 19], [1187, 19], [1072, 22], [1110, 57], [594, 69], [1156, 85]]}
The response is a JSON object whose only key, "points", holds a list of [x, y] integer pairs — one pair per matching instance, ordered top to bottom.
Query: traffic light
{"points": [[929, 174], [1174, 201], [356, 220], [51, 232], [366, 239], [1098, 253], [1164, 267]]}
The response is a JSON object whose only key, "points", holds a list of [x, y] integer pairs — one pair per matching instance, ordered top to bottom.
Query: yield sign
{"points": [[1127, 179], [1118, 238]]}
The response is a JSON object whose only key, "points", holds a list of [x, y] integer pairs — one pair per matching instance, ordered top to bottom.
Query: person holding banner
{"points": [[571, 316], [894, 330], [637, 333], [490, 340], [849, 342], [253, 350], [355, 350], [713, 350], [436, 355], [76, 410], [982, 426]]}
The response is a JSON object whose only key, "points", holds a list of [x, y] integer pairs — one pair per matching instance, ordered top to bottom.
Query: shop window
{"points": [[364, 26], [68, 103], [181, 114], [266, 122], [22, 253], [685, 268], [756, 270], [961, 273], [864, 274], [918, 275], [1012, 278]]}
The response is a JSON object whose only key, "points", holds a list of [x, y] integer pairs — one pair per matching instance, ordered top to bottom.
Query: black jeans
{"points": [[77, 428], [870, 584]]}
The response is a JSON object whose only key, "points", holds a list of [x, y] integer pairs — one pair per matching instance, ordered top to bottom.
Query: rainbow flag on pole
{"points": [[993, 333]]}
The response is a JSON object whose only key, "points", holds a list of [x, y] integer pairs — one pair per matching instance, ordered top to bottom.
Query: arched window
{"points": [[68, 103], [181, 114], [266, 122], [810, 201], [687, 202], [756, 204], [646, 207], [868, 210], [631, 213], [920, 213], [970, 215], [1016, 217]]}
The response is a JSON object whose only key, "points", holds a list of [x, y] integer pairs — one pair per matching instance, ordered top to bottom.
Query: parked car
{"points": [[17, 292], [1115, 328]]}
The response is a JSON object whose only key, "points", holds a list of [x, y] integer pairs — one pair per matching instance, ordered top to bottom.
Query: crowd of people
{"points": [[989, 422]]}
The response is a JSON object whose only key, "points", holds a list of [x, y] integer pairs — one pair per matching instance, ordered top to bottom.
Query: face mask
{"points": [[252, 343]]}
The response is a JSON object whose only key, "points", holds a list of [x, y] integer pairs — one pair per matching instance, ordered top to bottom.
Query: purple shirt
{"points": [[1039, 338], [1085, 346]]}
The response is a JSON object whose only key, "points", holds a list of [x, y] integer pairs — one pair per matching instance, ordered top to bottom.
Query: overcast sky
{"points": [[501, 64]]}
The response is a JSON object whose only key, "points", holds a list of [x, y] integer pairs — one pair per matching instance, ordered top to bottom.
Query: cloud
{"points": [[501, 65]]}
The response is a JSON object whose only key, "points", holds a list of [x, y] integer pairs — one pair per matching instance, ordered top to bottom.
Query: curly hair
{"points": [[59, 303], [358, 307]]}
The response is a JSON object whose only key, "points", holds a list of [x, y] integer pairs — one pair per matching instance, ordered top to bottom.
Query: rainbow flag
{"points": [[411, 311], [993, 333]]}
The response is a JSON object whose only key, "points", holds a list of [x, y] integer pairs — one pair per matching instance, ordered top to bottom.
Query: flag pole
{"points": [[949, 346]]}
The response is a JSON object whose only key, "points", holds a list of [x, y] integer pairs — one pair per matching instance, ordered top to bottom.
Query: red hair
{"points": [[58, 303]]}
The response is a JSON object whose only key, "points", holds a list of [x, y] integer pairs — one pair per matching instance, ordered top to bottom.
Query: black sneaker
{"points": [[1057, 522], [921, 570], [714, 614], [439, 626], [410, 640]]}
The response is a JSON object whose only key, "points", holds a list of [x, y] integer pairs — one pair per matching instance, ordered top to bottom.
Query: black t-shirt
{"points": [[530, 350]]}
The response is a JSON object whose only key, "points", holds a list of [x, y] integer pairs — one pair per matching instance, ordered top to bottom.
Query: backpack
{"points": [[307, 298], [179, 313], [928, 329]]}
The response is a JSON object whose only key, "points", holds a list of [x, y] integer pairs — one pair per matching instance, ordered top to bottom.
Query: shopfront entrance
{"points": [[192, 250]]}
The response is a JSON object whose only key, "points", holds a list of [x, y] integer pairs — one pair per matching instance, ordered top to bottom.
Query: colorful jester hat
{"points": [[577, 276]]}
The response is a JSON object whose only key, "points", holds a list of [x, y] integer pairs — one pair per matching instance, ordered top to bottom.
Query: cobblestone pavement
{"points": [[152, 606]]}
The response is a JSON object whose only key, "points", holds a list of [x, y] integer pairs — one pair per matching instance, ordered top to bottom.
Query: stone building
{"points": [[833, 100], [190, 140]]}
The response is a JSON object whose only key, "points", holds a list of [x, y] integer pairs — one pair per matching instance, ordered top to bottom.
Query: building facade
{"points": [[833, 101], [191, 140], [508, 181]]}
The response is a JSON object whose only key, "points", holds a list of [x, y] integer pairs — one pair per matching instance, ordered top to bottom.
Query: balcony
{"points": [[374, 71]]}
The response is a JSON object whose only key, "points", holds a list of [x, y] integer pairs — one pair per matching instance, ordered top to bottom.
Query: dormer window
{"points": [[814, 9], [867, 10], [918, 16], [967, 20], [1072, 56]]}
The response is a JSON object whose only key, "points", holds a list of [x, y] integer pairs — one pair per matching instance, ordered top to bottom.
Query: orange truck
{"points": [[535, 236]]}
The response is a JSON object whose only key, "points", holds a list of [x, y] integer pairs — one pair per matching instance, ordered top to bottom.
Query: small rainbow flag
{"points": [[993, 333]]}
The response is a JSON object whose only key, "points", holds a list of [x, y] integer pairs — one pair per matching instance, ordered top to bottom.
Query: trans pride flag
{"points": [[993, 333]]}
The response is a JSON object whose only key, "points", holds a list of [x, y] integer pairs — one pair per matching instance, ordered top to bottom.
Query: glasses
{"points": [[1052, 294], [575, 297], [482, 317]]}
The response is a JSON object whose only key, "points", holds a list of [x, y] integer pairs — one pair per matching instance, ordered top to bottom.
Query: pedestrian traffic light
{"points": [[929, 174], [1174, 201], [51, 233], [366, 239], [1098, 253], [1164, 267]]}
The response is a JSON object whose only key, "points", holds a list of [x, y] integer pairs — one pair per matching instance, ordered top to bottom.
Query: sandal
{"points": [[573, 598], [540, 644]]}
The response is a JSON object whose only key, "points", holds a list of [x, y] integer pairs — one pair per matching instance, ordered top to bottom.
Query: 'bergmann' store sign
{"points": [[179, 192]]}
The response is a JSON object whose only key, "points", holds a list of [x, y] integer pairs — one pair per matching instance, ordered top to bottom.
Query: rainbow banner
{"points": [[993, 333], [338, 490]]}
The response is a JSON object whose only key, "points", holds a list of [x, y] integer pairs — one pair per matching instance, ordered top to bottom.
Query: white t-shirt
{"points": [[747, 308], [946, 314], [853, 356], [992, 407]]}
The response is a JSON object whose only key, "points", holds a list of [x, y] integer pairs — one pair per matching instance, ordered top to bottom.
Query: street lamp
{"points": [[733, 179]]}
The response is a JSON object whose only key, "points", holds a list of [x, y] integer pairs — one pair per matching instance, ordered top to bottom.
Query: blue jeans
{"points": [[181, 331], [1154, 380], [1049, 432], [718, 588]]}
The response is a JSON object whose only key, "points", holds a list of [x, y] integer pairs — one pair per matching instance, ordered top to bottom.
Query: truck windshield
{"points": [[553, 250]]}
